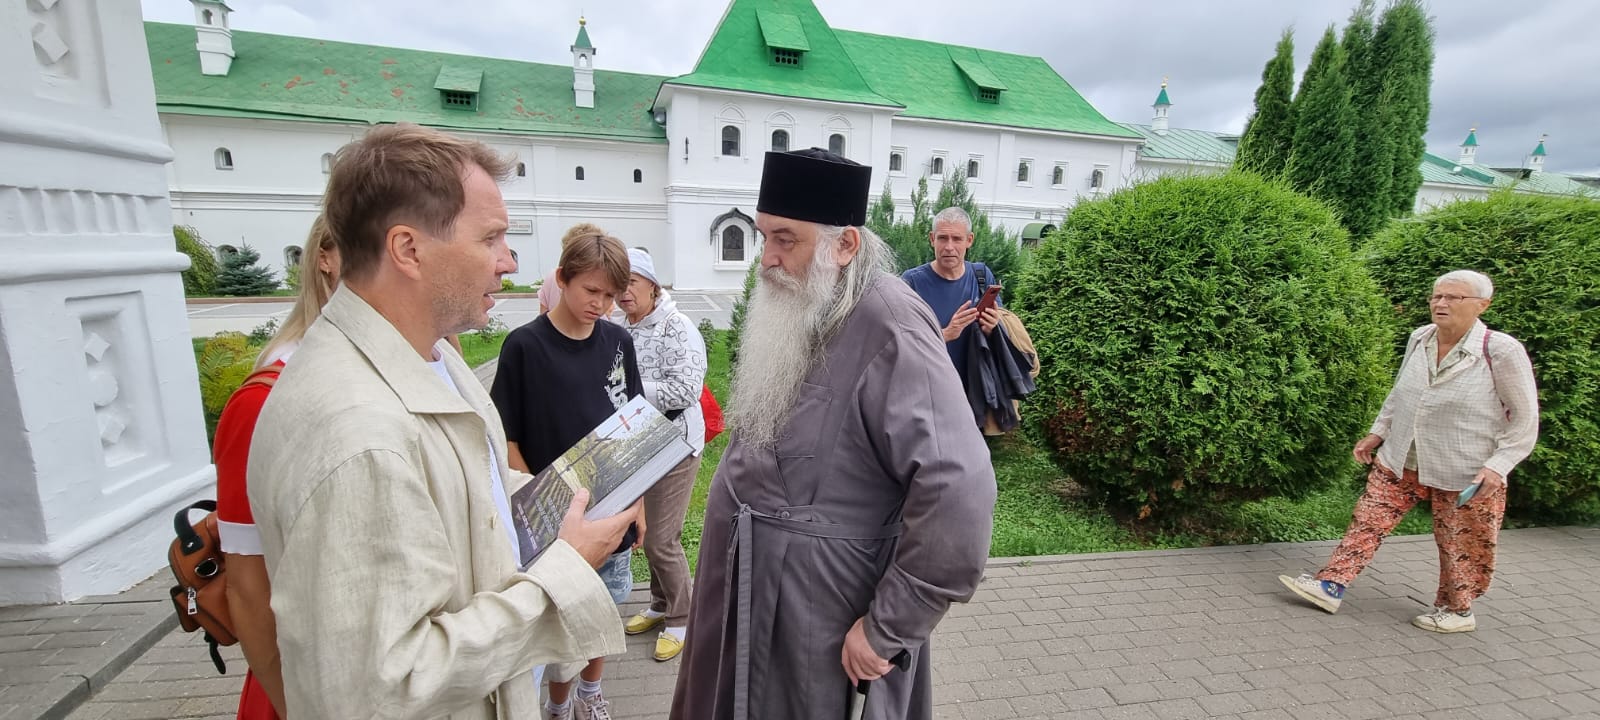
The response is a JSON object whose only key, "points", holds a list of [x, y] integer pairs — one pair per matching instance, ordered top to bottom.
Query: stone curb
{"points": [[65, 694]]}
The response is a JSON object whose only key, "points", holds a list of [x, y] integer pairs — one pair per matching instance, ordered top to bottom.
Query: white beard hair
{"points": [[780, 345]]}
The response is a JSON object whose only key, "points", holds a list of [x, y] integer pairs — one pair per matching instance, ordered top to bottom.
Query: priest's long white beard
{"points": [[783, 335]]}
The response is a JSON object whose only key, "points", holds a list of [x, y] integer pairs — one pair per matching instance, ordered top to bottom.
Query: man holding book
{"points": [[378, 472], [855, 502]]}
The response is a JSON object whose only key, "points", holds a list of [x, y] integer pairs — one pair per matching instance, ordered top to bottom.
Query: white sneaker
{"points": [[1314, 590], [1445, 621], [593, 707], [562, 714]]}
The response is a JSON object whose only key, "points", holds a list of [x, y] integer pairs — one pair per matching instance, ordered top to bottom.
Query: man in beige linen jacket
{"points": [[378, 472]]}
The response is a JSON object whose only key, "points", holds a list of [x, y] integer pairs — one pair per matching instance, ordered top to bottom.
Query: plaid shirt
{"points": [[1461, 414]]}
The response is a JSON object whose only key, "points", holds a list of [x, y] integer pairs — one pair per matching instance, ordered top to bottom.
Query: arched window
{"points": [[206, 15], [583, 61], [730, 141], [780, 141], [836, 143], [224, 158], [896, 160], [327, 163], [937, 169], [972, 169], [522, 170], [579, 172], [1022, 172], [638, 175], [1058, 176], [1097, 179], [733, 237], [291, 256]]}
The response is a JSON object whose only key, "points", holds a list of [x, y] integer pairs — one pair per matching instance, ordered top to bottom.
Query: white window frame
{"points": [[730, 115], [781, 121], [838, 125], [901, 151], [223, 157], [944, 157], [1028, 162], [327, 163], [1063, 167], [974, 177], [1105, 178], [751, 247]]}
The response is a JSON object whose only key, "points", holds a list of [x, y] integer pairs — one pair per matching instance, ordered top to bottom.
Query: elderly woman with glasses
{"points": [[1462, 413]]}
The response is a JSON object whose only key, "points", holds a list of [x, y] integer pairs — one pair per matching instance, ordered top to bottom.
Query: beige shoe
{"points": [[1445, 621], [642, 623], [667, 647]]}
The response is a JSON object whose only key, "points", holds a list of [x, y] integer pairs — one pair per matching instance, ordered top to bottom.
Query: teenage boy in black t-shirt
{"points": [[559, 377]]}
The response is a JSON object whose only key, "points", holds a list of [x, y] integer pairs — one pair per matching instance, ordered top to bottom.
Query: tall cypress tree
{"points": [[1403, 49], [1269, 133], [1320, 163], [1365, 195]]}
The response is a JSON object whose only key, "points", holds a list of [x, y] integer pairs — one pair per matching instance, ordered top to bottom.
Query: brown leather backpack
{"points": [[201, 597]]}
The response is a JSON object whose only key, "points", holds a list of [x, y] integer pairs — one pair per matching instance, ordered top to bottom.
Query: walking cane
{"points": [[857, 707]]}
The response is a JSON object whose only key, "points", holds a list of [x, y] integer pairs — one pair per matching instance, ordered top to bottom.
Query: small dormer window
{"points": [[785, 37], [985, 84], [458, 87]]}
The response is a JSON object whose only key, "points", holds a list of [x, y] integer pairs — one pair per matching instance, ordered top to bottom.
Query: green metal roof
{"points": [[782, 30], [583, 36], [737, 57], [980, 75], [277, 76], [923, 77], [459, 79], [1162, 98], [1472, 138], [1197, 146], [1439, 170], [1548, 183]]}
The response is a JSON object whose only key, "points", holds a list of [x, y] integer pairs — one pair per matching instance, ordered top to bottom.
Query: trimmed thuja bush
{"points": [[1543, 254], [201, 277], [1203, 339]]}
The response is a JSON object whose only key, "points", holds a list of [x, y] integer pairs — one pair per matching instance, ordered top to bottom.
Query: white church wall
{"points": [[273, 192], [1432, 195]]}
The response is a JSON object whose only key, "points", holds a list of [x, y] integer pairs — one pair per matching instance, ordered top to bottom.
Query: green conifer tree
{"points": [[1269, 133], [1320, 163]]}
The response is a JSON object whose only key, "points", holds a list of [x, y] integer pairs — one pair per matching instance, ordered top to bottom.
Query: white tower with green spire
{"points": [[215, 37], [583, 53], [1159, 122], [1469, 148], [1536, 158]]}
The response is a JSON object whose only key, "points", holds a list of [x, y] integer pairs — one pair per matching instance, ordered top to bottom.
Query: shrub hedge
{"points": [[1543, 254], [201, 277], [1203, 339]]}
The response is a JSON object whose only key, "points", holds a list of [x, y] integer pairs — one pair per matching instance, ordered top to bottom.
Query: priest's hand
{"points": [[959, 321], [595, 540], [859, 659]]}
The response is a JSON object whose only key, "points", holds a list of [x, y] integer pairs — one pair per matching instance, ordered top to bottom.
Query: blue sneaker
{"points": [[1325, 594]]}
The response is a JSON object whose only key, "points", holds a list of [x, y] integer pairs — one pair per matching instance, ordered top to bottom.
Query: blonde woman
{"points": [[248, 589]]}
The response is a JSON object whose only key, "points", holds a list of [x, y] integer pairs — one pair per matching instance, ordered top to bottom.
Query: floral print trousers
{"points": [[1466, 535]]}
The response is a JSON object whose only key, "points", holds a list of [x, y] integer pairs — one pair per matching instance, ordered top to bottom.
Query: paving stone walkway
{"points": [[1203, 633]]}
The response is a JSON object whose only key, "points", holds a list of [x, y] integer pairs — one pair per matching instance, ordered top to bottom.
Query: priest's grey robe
{"points": [[878, 501]]}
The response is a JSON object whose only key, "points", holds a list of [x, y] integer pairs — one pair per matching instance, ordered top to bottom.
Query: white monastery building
{"points": [[671, 164]]}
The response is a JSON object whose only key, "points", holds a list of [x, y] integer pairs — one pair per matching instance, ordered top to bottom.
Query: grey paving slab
{"points": [[1235, 647]]}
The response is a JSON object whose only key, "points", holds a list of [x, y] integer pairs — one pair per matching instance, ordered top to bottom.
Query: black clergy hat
{"points": [[815, 186]]}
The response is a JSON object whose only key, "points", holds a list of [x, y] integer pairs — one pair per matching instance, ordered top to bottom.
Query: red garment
{"points": [[230, 451]]}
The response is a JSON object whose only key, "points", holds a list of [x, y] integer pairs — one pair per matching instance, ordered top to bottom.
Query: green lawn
{"points": [[479, 348]]}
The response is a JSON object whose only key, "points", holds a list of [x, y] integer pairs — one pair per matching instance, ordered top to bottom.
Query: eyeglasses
{"points": [[1450, 299]]}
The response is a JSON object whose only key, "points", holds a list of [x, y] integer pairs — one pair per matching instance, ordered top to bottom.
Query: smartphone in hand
{"points": [[989, 297], [1466, 495]]}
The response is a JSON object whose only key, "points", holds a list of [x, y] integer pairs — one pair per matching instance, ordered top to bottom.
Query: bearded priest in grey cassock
{"points": [[856, 500]]}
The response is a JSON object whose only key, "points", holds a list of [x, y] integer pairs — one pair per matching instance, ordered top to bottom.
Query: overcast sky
{"points": [[1515, 69]]}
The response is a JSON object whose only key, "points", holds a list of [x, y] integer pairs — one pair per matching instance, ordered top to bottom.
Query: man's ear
{"points": [[849, 244], [401, 250]]}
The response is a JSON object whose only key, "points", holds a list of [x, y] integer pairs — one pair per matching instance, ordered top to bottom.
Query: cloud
{"points": [[1515, 69]]}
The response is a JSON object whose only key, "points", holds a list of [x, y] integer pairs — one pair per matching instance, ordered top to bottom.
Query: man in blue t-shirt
{"points": [[952, 287]]}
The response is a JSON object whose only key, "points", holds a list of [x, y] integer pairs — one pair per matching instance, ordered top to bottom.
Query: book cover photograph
{"points": [[616, 462]]}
